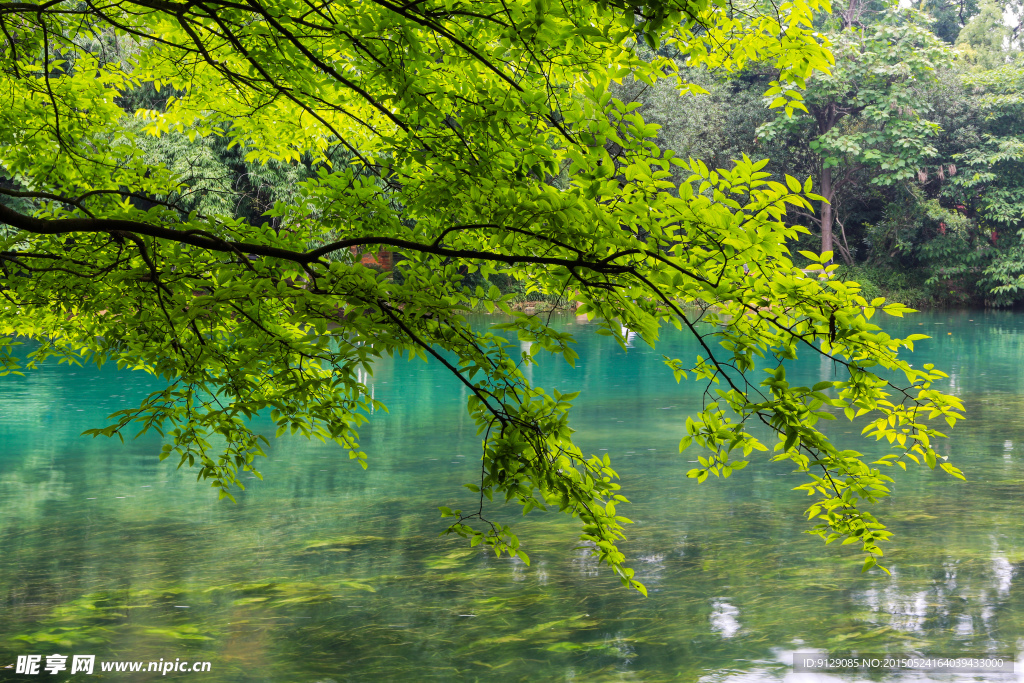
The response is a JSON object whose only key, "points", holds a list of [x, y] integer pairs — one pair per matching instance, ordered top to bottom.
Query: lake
{"points": [[325, 572]]}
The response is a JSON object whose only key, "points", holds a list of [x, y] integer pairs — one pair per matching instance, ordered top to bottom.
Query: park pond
{"points": [[325, 572]]}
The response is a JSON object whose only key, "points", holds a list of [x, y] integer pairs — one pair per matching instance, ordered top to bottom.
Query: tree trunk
{"points": [[851, 17], [826, 209]]}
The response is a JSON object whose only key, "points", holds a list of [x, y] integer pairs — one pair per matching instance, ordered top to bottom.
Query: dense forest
{"points": [[916, 138]]}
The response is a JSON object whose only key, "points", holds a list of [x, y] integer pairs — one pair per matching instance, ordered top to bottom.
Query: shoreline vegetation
{"points": [[913, 288]]}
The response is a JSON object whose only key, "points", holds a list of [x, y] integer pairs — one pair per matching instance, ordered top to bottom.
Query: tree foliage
{"points": [[867, 113], [922, 132], [476, 139]]}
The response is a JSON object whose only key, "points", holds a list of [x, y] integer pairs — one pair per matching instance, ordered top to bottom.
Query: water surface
{"points": [[325, 572]]}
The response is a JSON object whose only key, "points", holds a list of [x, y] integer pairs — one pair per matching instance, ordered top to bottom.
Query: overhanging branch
{"points": [[203, 240]]}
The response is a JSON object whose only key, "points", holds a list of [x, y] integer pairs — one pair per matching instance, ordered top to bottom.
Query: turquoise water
{"points": [[324, 572]]}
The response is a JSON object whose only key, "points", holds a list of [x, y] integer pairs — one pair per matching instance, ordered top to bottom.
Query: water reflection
{"points": [[629, 335], [525, 349], [723, 618]]}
